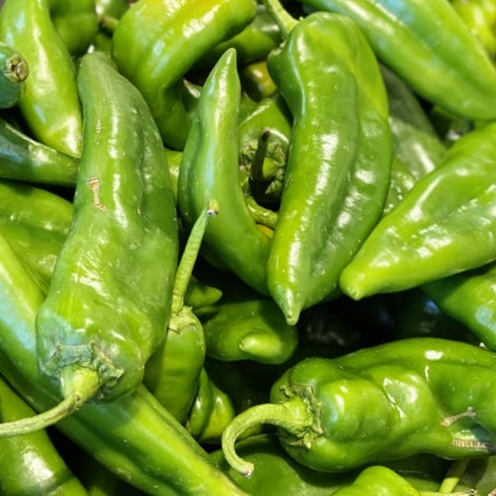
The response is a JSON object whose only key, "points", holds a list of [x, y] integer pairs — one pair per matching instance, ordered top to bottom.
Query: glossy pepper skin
{"points": [[148, 47], [430, 47], [13, 72], [49, 104], [415, 141], [24, 159], [209, 169], [338, 169], [35, 222], [443, 226], [469, 297], [109, 299], [248, 329], [391, 401], [133, 436], [31, 464]]}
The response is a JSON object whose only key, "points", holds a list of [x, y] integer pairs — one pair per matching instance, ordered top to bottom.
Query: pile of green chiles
{"points": [[247, 248]]}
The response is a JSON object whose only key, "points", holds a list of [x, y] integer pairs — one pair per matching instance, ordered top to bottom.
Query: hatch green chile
{"points": [[338, 168], [391, 401]]}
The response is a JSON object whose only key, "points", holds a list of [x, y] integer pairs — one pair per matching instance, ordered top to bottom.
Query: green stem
{"points": [[281, 16], [16, 69], [256, 166], [261, 215], [189, 256], [85, 382], [293, 415], [455, 472]]}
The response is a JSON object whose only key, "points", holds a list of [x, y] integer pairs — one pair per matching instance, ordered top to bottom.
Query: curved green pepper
{"points": [[148, 47], [430, 47], [13, 72], [256, 81], [50, 103], [25, 159], [209, 169], [338, 169], [124, 222], [446, 224], [248, 329], [172, 373], [391, 401], [133, 436], [31, 464]]}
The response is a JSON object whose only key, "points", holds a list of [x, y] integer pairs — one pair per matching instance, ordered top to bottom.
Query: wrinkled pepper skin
{"points": [[148, 47], [430, 47], [13, 72], [49, 104], [25, 159], [338, 168], [209, 169], [35, 222], [446, 224], [106, 312], [391, 401], [133, 436], [31, 465]]}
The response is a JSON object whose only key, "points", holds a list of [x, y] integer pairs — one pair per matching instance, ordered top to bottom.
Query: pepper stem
{"points": [[284, 20], [16, 70], [189, 256], [87, 383], [293, 415]]}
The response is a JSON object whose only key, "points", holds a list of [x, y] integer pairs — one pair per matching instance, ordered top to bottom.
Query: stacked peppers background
{"points": [[247, 247]]}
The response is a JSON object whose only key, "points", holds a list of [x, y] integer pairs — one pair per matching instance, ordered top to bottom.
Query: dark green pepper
{"points": [[148, 46], [430, 47], [13, 72], [256, 81], [209, 169], [338, 169], [124, 222], [446, 224], [391, 401], [210, 413], [31, 465]]}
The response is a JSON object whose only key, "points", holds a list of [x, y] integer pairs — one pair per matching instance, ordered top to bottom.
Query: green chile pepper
{"points": [[252, 44], [148, 47], [430, 47], [13, 72], [256, 81], [49, 103], [415, 141], [25, 159], [209, 169], [338, 169], [400, 183], [35, 222], [124, 222], [443, 226], [469, 298], [248, 329], [172, 373], [391, 401], [210, 413], [133, 436], [31, 465], [383, 481]]}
